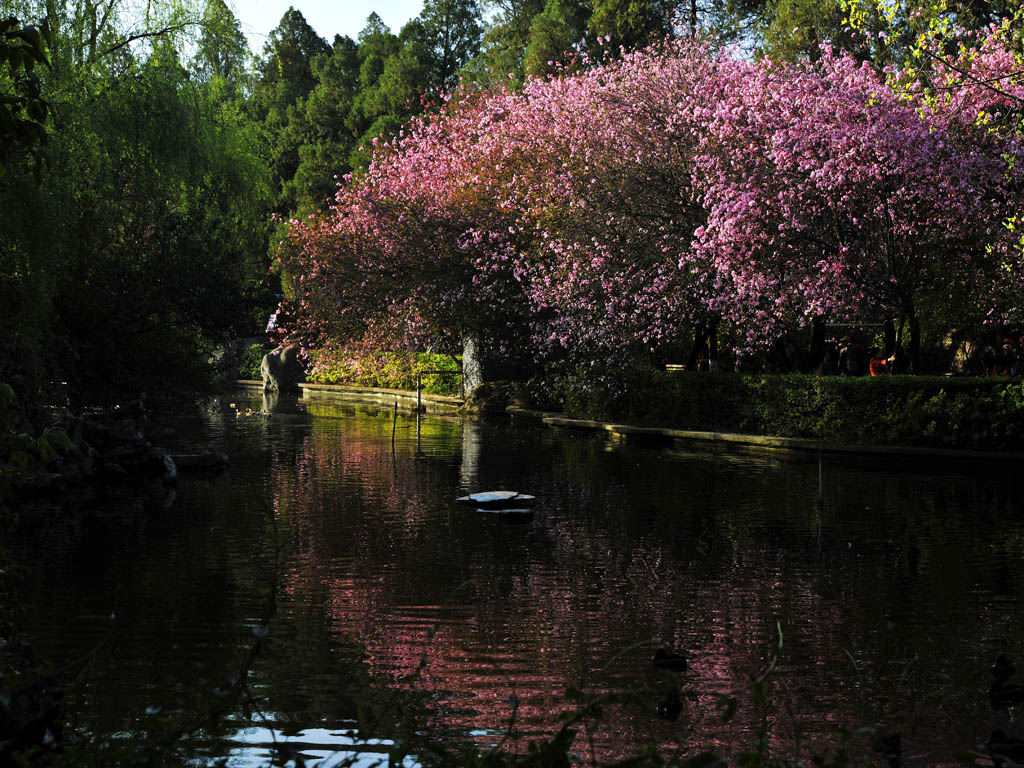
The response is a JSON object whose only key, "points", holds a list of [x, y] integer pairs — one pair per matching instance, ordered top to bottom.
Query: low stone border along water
{"points": [[378, 395], [657, 435]]}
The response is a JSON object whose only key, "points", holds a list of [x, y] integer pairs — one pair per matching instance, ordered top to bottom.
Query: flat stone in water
{"points": [[497, 500]]}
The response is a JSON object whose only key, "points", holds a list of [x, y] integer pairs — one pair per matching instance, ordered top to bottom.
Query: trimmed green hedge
{"points": [[932, 411]]}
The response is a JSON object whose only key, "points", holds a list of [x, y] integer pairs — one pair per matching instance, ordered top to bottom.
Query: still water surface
{"points": [[893, 593]]}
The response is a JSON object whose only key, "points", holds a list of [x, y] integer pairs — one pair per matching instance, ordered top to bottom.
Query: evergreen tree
{"points": [[452, 31], [222, 50], [285, 73], [408, 73], [285, 78], [370, 114], [327, 137]]}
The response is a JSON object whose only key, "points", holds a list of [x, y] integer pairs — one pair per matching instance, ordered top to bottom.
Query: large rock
{"points": [[282, 370]]}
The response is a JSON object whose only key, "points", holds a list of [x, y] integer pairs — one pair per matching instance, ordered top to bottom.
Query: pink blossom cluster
{"points": [[609, 211]]}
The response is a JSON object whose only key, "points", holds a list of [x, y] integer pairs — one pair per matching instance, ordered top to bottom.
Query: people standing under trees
{"points": [[1013, 357], [853, 359], [1007, 360]]}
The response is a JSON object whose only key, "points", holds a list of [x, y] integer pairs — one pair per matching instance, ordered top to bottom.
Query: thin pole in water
{"points": [[394, 426], [821, 489], [821, 496]]}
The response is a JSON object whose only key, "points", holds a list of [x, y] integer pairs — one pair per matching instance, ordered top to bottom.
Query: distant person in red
{"points": [[877, 365]]}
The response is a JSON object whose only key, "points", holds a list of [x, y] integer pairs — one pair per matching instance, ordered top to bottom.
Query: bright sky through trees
{"points": [[327, 17]]}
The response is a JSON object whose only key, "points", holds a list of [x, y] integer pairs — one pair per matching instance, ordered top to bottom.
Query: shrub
{"points": [[252, 360], [393, 370], [925, 411]]}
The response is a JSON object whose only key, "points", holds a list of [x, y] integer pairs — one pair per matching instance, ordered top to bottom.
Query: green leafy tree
{"points": [[736, 20], [632, 23], [796, 29], [451, 32], [553, 32], [111, 33], [919, 34], [506, 36], [376, 45], [222, 51], [285, 73], [409, 73], [284, 79], [22, 107], [371, 116], [327, 137], [164, 232], [119, 271]]}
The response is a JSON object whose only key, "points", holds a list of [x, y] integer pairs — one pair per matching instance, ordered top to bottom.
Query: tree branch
{"points": [[143, 35], [975, 80]]}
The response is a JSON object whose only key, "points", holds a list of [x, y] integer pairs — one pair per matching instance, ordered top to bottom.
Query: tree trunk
{"points": [[889, 334], [700, 338], [915, 345], [713, 347], [899, 351], [816, 353], [782, 355], [472, 366]]}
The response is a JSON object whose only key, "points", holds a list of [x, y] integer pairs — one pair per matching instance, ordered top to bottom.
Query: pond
{"points": [[893, 591]]}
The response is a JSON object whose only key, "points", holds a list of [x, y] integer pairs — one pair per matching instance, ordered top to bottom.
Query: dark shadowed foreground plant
{"points": [[22, 107], [19, 448]]}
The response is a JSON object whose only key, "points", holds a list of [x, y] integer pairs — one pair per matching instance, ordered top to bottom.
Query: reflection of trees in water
{"points": [[472, 443], [700, 553]]}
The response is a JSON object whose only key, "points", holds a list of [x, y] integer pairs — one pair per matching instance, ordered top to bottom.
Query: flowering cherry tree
{"points": [[598, 169], [830, 195], [610, 213]]}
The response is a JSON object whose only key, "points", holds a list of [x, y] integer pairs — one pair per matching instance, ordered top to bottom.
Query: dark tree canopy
{"points": [[632, 23]]}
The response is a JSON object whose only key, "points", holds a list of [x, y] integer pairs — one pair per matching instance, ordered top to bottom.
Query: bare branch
{"points": [[143, 35], [996, 79], [977, 81]]}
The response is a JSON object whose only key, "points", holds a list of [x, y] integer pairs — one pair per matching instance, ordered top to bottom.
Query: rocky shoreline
{"points": [[109, 447]]}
